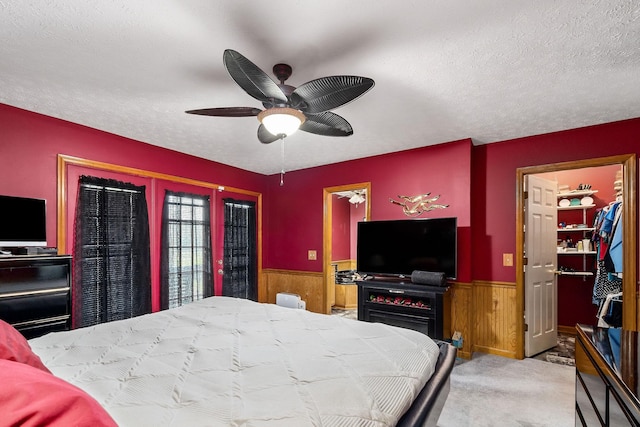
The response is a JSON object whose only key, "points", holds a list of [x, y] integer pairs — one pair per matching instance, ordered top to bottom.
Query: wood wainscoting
{"points": [[307, 284], [346, 296], [458, 302], [483, 312], [495, 318]]}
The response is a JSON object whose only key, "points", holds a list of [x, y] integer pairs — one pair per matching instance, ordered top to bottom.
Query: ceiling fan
{"points": [[288, 108]]}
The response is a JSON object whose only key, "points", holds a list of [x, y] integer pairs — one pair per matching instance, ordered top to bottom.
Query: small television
{"points": [[22, 222], [398, 247]]}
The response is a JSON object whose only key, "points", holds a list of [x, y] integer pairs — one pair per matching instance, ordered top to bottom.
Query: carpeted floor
{"points": [[349, 313], [494, 391]]}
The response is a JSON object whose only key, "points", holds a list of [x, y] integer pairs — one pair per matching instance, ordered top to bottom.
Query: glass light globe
{"points": [[279, 121]]}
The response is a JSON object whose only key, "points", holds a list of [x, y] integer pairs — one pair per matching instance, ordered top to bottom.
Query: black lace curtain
{"points": [[240, 255], [112, 274]]}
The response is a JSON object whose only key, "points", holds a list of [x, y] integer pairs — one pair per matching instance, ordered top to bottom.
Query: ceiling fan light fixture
{"points": [[281, 120], [356, 199]]}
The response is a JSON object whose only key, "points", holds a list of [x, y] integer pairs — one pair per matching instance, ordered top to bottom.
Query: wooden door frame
{"points": [[64, 161], [327, 240], [629, 288]]}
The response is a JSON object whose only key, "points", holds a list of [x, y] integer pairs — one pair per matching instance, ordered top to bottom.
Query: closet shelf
{"points": [[576, 193], [568, 208], [576, 229], [577, 252], [573, 273]]}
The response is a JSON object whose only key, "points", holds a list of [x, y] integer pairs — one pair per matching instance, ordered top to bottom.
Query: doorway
{"points": [[628, 164], [329, 195], [238, 249]]}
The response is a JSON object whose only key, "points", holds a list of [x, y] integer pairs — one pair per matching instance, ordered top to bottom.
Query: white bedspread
{"points": [[232, 362]]}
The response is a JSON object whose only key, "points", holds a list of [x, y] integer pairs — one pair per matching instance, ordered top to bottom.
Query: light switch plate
{"points": [[312, 255], [507, 260]]}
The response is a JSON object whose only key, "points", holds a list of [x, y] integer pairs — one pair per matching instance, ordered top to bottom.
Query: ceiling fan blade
{"points": [[252, 79], [327, 93], [227, 112], [327, 124], [265, 136]]}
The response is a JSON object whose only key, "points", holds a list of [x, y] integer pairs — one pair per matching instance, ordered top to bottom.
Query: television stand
{"points": [[402, 303]]}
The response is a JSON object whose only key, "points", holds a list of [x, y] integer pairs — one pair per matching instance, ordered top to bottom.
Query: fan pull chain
{"points": [[282, 158]]}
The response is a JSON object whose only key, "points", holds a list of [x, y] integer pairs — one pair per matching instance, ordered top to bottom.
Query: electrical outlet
{"points": [[312, 255], [507, 260]]}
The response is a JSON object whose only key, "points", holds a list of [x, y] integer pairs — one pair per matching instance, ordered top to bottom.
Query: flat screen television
{"points": [[22, 222], [398, 247]]}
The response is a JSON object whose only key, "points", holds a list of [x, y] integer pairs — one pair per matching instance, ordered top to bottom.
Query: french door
{"points": [[236, 260]]}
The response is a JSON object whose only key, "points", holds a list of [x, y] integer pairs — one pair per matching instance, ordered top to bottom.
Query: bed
{"points": [[225, 361]]}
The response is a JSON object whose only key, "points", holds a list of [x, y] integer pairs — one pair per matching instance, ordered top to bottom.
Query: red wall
{"points": [[30, 143], [29, 146], [444, 169], [494, 177], [478, 182], [358, 213], [345, 218], [341, 232]]}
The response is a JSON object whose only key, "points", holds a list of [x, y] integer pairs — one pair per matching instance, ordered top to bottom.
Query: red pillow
{"points": [[14, 346], [30, 397]]}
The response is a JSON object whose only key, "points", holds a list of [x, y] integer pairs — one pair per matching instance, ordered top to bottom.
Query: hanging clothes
{"points": [[604, 224], [604, 228], [599, 244], [613, 260], [605, 284], [610, 312]]}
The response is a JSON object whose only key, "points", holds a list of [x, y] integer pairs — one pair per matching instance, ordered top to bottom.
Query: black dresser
{"points": [[35, 293], [607, 391]]}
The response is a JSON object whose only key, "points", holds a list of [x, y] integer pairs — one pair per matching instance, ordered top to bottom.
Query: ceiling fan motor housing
{"points": [[282, 72]]}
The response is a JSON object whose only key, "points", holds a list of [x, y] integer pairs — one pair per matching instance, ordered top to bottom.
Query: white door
{"points": [[541, 291]]}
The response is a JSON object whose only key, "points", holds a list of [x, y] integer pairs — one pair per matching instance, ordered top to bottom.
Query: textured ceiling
{"points": [[488, 70]]}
